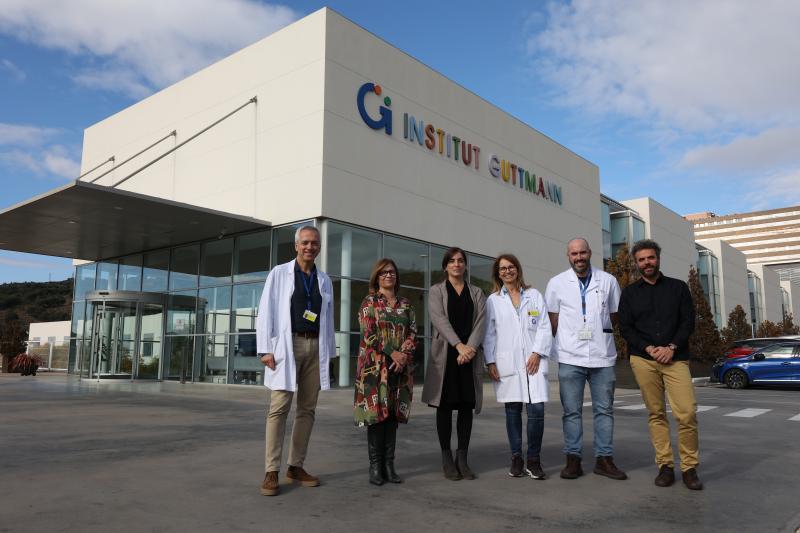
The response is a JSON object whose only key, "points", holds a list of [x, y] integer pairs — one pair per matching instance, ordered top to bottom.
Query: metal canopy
{"points": [[86, 221]]}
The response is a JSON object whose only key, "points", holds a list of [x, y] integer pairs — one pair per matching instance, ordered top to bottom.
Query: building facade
{"points": [[188, 198]]}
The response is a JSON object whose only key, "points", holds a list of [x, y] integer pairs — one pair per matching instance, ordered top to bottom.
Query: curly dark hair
{"points": [[646, 244]]}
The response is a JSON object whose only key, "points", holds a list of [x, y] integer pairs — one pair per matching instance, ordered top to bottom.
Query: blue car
{"points": [[777, 364]]}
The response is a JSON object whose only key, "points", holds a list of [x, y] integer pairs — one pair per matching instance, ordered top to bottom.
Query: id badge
{"points": [[309, 315], [533, 317], [585, 333]]}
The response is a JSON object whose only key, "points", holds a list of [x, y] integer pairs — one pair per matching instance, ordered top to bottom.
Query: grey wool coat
{"points": [[443, 335]]}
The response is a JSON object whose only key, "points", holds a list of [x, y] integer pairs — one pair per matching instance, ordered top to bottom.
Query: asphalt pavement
{"points": [[158, 457]]}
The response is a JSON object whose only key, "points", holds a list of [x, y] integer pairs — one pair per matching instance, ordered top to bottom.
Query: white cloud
{"points": [[141, 45], [696, 66], [16, 73], [23, 135], [771, 149], [35, 150], [58, 161], [779, 189]]}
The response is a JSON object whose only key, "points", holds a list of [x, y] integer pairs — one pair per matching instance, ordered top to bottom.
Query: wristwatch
{"points": [[672, 346]]}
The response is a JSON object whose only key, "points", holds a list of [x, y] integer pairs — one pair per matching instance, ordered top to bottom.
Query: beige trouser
{"points": [[306, 356], [653, 379]]}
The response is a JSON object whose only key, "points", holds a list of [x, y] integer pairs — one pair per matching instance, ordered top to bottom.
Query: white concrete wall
{"points": [[303, 151], [265, 161], [386, 182], [672, 232], [732, 277], [771, 284], [793, 288], [45, 330]]}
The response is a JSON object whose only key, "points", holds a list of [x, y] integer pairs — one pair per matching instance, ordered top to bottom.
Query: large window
{"points": [[350, 253], [251, 257], [216, 262], [183, 268], [155, 272], [708, 272], [130, 273], [107, 276], [84, 280], [203, 328]]}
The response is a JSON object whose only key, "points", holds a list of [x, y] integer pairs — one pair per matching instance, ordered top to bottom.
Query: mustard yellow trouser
{"points": [[306, 356], [654, 378]]}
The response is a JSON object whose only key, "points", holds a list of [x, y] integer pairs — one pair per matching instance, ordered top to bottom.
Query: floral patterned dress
{"points": [[380, 392]]}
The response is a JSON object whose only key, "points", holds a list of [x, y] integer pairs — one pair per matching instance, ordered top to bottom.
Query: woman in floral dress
{"points": [[384, 373]]}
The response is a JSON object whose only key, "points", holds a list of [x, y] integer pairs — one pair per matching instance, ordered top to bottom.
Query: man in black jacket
{"points": [[656, 317]]}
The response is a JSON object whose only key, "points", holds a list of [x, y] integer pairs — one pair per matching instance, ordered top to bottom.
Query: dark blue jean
{"points": [[572, 380], [535, 427]]}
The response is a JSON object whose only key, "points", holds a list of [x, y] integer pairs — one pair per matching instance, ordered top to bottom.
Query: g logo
{"points": [[385, 121]]}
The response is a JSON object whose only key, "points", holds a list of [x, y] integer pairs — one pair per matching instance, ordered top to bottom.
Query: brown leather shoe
{"points": [[605, 467], [534, 468], [573, 469], [296, 474], [665, 477], [691, 480], [269, 487]]}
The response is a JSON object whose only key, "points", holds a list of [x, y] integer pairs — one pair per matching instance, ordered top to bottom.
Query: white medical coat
{"points": [[563, 296], [274, 328], [511, 337]]}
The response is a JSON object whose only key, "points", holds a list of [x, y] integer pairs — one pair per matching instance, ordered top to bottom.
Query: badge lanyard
{"points": [[308, 286], [584, 288]]}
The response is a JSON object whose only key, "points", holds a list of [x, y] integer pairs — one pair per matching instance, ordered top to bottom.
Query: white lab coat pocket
{"points": [[280, 349], [505, 364]]}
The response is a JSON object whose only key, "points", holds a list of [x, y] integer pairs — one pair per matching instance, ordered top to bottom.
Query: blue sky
{"points": [[696, 104]]}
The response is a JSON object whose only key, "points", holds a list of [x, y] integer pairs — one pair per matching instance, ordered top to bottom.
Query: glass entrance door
{"points": [[113, 340]]}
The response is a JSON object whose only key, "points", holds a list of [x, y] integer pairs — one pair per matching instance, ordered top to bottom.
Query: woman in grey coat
{"points": [[453, 376]]}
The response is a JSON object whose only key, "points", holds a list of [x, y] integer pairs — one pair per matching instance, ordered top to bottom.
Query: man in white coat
{"points": [[582, 303], [295, 339]]}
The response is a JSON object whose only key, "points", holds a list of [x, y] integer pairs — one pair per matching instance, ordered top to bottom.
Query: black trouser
{"points": [[444, 426]]}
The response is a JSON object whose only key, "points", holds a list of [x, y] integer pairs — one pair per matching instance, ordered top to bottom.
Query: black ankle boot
{"points": [[390, 439], [375, 450], [449, 467], [463, 467]]}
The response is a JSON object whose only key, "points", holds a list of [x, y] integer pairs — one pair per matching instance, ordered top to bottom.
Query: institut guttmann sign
{"points": [[455, 148]]}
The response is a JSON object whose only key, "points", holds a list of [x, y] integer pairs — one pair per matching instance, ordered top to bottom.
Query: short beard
{"points": [[584, 271]]}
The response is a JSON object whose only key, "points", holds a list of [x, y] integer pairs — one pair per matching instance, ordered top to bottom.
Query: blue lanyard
{"points": [[308, 285], [584, 286]]}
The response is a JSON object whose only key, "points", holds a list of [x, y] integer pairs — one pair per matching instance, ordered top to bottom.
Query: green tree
{"points": [[624, 269], [738, 328], [705, 342]]}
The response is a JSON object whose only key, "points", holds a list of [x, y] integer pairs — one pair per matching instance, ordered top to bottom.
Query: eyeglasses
{"points": [[511, 268], [387, 274]]}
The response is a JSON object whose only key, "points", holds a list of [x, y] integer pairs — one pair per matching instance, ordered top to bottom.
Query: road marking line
{"points": [[635, 407], [700, 408], [749, 413], [795, 418]]}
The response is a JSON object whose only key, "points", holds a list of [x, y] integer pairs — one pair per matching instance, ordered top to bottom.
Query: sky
{"points": [[696, 104]]}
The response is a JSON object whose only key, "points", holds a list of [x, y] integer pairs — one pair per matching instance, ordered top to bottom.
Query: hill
{"points": [[23, 303]]}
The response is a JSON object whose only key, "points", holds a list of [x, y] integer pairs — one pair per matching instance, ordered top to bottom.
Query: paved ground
{"points": [[82, 456]]}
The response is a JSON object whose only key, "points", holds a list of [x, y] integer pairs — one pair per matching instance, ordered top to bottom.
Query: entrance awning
{"points": [[86, 221]]}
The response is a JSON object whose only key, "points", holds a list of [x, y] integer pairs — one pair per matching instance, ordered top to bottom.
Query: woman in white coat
{"points": [[516, 348]]}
